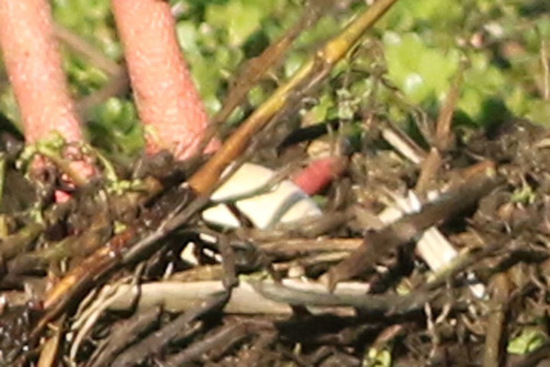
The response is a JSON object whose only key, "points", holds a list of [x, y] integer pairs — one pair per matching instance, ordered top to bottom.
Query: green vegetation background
{"points": [[417, 49]]}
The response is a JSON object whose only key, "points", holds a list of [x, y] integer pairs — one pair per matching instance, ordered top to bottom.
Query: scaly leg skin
{"points": [[33, 63], [34, 66], [167, 100]]}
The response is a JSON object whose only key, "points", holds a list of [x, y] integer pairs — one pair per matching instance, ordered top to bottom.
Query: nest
{"points": [[426, 247]]}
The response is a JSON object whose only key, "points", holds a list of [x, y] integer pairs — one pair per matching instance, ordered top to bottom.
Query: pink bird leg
{"points": [[33, 63], [34, 67], [167, 100]]}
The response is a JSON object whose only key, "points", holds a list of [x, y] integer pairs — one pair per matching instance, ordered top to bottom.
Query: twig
{"points": [[544, 60], [443, 135], [428, 172], [19, 242], [316, 295], [178, 296], [184, 325], [124, 335], [223, 339], [493, 356]]}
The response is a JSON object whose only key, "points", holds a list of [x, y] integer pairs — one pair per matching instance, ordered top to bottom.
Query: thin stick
{"points": [[88, 52], [443, 134], [493, 353]]}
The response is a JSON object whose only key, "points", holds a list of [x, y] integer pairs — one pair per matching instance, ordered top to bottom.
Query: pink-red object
{"points": [[34, 66], [167, 100], [318, 174]]}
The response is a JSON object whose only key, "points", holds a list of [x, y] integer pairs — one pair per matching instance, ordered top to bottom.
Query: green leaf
{"points": [[239, 18], [422, 72], [528, 340]]}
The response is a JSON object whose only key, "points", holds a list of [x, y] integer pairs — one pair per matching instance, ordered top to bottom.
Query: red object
{"points": [[34, 66], [166, 97], [318, 174], [61, 196]]}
